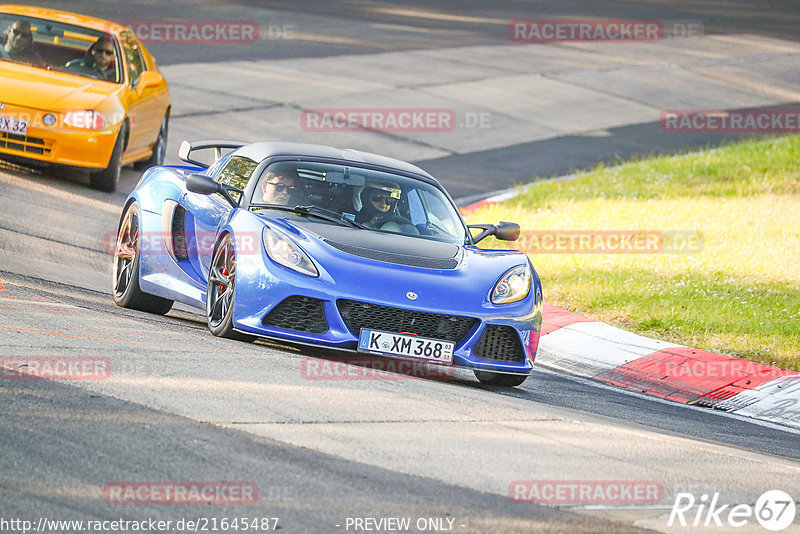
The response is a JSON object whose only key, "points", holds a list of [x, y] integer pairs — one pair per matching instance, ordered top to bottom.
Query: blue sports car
{"points": [[326, 247]]}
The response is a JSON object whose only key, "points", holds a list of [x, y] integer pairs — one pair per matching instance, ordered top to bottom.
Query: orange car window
{"points": [[133, 55]]}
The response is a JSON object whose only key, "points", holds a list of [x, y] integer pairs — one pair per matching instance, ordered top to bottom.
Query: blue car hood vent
{"points": [[389, 248], [392, 257]]}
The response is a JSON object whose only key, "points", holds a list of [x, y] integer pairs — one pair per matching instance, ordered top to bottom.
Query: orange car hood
{"points": [[31, 87]]}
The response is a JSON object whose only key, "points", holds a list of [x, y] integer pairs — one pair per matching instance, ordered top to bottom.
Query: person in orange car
{"points": [[18, 44], [100, 60]]}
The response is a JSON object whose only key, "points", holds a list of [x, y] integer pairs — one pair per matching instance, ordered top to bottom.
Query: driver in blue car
{"points": [[279, 189]]}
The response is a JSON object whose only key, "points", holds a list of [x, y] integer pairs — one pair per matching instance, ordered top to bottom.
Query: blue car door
{"points": [[206, 214]]}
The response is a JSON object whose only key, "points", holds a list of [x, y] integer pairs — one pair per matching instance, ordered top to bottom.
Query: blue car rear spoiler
{"points": [[187, 147]]}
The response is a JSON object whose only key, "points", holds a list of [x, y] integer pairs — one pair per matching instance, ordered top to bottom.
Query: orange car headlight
{"points": [[86, 119]]}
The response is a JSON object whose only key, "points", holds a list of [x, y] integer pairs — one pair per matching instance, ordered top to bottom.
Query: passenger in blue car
{"points": [[378, 200], [379, 209]]}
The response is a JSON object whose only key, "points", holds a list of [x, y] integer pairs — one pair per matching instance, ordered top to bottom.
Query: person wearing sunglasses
{"points": [[18, 44], [100, 60], [278, 189], [377, 199], [379, 203]]}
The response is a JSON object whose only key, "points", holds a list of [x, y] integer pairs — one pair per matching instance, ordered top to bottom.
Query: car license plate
{"points": [[13, 125], [405, 345]]}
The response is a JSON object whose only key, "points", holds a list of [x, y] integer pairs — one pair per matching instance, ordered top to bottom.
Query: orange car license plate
{"points": [[13, 125]]}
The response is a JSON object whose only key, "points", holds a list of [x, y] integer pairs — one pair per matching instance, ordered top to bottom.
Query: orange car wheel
{"points": [[107, 179]]}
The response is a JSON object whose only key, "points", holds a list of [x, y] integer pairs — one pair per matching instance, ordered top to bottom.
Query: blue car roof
{"points": [[263, 150]]}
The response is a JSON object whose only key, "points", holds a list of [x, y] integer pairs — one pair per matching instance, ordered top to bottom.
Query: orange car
{"points": [[79, 91]]}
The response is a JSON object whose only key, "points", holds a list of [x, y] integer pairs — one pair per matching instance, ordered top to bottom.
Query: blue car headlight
{"points": [[286, 252], [513, 286]]}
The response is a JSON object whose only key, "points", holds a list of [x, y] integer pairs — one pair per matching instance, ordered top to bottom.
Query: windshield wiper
{"points": [[316, 211], [328, 215]]}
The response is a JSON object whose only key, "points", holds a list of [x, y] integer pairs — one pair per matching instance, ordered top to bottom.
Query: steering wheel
{"points": [[394, 223], [435, 229]]}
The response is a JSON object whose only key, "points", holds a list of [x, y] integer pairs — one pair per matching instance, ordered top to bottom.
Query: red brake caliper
{"points": [[225, 272]]}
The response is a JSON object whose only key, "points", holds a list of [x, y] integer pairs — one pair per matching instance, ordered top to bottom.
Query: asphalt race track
{"points": [[336, 454]]}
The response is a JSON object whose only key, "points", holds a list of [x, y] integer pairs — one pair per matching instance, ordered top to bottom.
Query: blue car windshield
{"points": [[377, 201]]}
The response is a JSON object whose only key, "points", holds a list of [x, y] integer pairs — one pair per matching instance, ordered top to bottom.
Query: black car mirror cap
{"points": [[203, 184], [504, 231], [507, 231]]}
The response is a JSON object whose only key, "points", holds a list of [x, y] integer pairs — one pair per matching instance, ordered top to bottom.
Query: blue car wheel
{"points": [[127, 292], [222, 292]]}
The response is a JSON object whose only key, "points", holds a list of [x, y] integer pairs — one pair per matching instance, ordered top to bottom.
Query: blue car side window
{"points": [[214, 169], [237, 173], [416, 209]]}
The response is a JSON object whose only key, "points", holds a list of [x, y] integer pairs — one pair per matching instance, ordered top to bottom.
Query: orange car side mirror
{"points": [[150, 78]]}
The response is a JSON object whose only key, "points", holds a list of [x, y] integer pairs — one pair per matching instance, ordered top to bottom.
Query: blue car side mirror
{"points": [[202, 184], [504, 231]]}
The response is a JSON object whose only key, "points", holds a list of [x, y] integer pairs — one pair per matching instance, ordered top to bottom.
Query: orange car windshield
{"points": [[57, 46]]}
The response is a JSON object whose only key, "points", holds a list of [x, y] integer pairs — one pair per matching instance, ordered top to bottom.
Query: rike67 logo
{"points": [[774, 510]]}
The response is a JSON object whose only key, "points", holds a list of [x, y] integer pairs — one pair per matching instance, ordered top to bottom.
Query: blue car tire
{"points": [[222, 291], [127, 292]]}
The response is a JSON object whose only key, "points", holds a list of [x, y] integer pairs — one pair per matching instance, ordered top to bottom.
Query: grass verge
{"points": [[739, 295]]}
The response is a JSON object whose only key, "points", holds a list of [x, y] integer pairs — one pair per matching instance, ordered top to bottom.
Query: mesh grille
{"points": [[24, 143], [179, 234], [397, 259], [300, 314], [358, 315], [500, 343]]}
